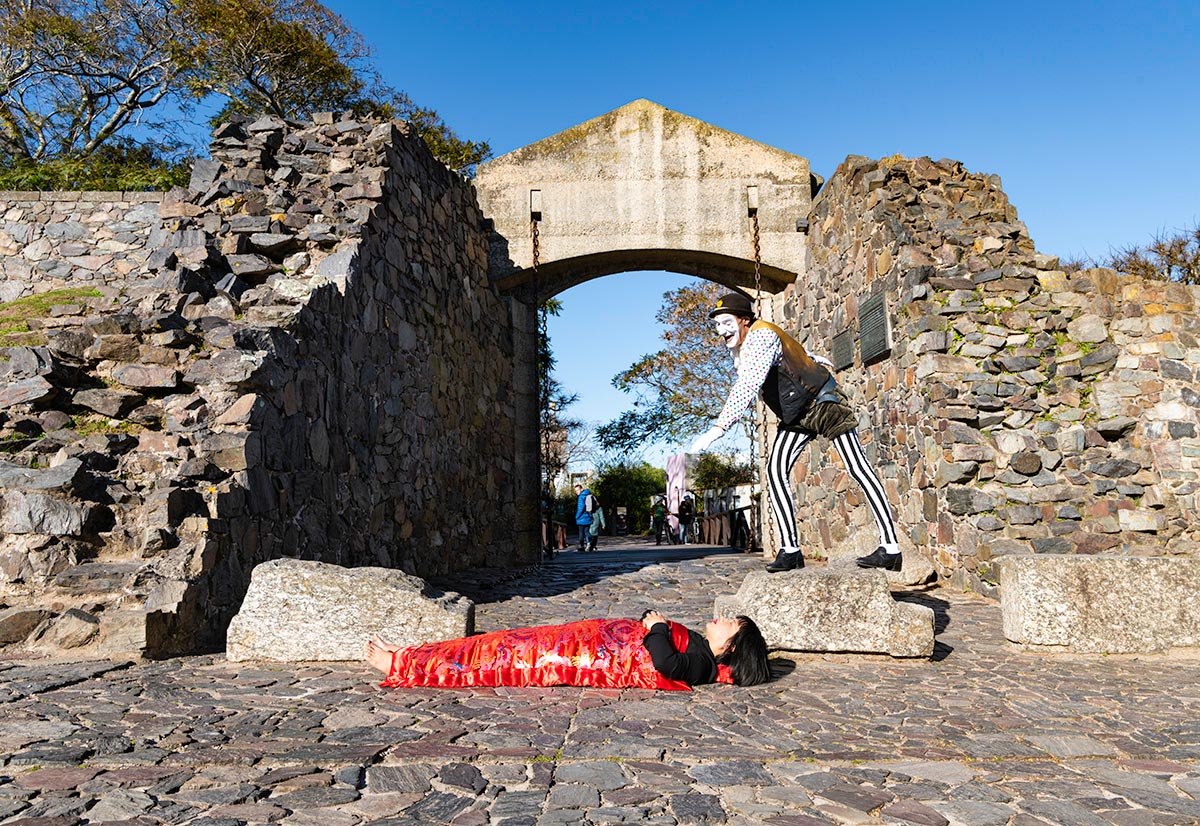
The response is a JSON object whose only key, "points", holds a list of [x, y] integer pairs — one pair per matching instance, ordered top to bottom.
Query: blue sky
{"points": [[1087, 110]]}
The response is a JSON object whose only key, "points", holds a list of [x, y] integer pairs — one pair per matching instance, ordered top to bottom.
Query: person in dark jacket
{"points": [[805, 396]]}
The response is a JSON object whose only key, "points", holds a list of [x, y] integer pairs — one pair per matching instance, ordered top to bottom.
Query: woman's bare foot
{"points": [[386, 646], [379, 658]]}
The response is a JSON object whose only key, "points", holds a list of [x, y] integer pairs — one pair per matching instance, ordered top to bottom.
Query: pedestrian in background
{"points": [[585, 504], [660, 519]]}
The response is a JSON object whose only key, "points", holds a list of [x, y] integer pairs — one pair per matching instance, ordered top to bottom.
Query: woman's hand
{"points": [[652, 618]]}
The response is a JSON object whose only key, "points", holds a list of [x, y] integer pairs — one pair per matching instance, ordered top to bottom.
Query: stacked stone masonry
{"points": [[52, 240], [301, 355], [296, 356], [1021, 409]]}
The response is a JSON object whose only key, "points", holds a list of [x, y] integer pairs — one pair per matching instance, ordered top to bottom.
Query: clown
{"points": [[805, 396]]}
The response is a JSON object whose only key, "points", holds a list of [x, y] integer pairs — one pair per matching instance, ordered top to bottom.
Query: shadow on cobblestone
{"points": [[941, 618], [989, 735]]}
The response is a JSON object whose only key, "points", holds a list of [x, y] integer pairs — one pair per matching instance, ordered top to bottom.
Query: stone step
{"points": [[95, 580], [1101, 604], [832, 609], [296, 611], [90, 634]]}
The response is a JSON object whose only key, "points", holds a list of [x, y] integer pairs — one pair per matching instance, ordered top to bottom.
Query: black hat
{"points": [[734, 304]]}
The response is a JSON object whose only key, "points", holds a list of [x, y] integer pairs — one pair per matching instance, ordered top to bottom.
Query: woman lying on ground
{"points": [[614, 653]]}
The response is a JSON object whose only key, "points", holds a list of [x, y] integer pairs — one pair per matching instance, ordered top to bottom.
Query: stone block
{"points": [[149, 377], [25, 391], [109, 401], [59, 477], [30, 512], [1101, 604], [833, 610], [297, 611], [17, 623], [71, 629], [126, 633]]}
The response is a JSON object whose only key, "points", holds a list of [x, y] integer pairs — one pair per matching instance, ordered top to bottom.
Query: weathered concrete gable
{"points": [[644, 179]]}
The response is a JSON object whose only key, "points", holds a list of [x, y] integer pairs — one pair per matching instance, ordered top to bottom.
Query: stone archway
{"points": [[640, 188], [644, 188]]}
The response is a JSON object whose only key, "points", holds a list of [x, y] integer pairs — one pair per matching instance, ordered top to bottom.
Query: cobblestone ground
{"points": [[982, 734]]}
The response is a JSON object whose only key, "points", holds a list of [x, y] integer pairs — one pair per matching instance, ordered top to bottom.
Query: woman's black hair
{"points": [[746, 654]]}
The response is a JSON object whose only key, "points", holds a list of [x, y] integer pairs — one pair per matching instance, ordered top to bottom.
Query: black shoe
{"points": [[879, 558], [786, 562]]}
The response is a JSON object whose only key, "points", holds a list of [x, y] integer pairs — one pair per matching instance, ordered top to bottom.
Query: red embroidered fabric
{"points": [[597, 653]]}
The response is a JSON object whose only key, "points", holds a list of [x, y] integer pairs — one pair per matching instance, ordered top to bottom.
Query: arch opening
{"points": [[558, 276]]}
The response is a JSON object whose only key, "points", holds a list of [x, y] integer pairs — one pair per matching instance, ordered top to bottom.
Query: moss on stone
{"points": [[16, 315], [89, 425]]}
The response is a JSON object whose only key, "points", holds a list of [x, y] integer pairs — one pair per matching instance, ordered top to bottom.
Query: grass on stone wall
{"points": [[125, 168], [16, 315], [91, 424]]}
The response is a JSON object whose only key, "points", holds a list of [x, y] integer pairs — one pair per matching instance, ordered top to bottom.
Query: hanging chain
{"points": [[537, 247], [757, 263], [537, 297], [543, 425], [764, 516]]}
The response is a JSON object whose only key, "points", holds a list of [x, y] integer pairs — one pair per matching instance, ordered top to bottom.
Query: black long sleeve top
{"points": [[695, 666]]}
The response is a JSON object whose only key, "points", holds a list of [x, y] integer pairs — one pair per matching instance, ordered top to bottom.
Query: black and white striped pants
{"points": [[785, 452]]}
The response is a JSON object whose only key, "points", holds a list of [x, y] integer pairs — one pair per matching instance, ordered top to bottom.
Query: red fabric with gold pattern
{"points": [[596, 653]]}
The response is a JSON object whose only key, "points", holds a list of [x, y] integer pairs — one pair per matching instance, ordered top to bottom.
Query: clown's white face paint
{"points": [[728, 329]]}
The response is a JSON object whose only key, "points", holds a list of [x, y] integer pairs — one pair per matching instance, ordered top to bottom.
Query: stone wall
{"points": [[52, 240], [300, 354], [308, 363], [1020, 409]]}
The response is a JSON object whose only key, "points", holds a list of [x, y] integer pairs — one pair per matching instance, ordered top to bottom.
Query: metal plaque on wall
{"points": [[873, 338], [843, 350]]}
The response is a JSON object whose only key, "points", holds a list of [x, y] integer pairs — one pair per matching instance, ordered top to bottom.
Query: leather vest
{"points": [[795, 380]]}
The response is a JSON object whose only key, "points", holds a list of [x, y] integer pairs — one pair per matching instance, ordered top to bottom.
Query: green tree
{"points": [[283, 57], [295, 57], [77, 75], [117, 165], [680, 389], [714, 471], [629, 485]]}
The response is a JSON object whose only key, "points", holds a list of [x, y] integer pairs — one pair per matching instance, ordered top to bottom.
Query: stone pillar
{"points": [[527, 458]]}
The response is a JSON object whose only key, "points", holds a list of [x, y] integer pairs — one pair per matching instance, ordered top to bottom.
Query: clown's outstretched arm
{"points": [[758, 354]]}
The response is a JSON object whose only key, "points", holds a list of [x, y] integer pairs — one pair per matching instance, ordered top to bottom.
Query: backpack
{"points": [[589, 504]]}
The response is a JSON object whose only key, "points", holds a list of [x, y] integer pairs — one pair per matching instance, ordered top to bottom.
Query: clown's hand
{"points": [[824, 362], [705, 439]]}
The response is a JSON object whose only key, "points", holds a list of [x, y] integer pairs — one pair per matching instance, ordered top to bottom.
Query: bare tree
{"points": [[73, 73], [1167, 257]]}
